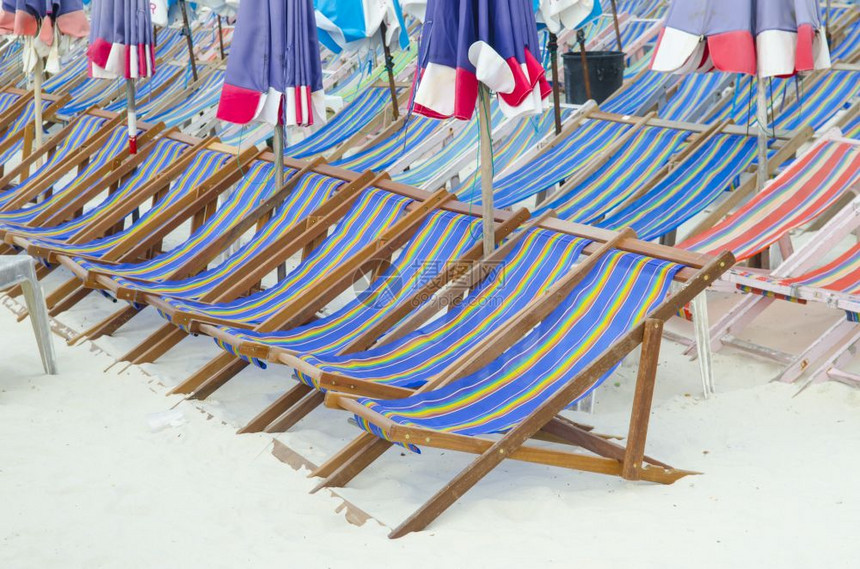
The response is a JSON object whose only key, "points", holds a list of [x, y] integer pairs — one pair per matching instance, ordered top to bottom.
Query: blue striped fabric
{"points": [[848, 47], [75, 67], [167, 74], [834, 92], [90, 93], [642, 93], [693, 93], [205, 97], [6, 100], [343, 125], [17, 126], [84, 128], [525, 136], [464, 142], [114, 145], [164, 152], [384, 153], [557, 164], [203, 166], [617, 180], [688, 189], [309, 194], [370, 216], [441, 239], [534, 264], [615, 296]]}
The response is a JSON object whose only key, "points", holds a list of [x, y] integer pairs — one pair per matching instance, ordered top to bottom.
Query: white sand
{"points": [[85, 481]]}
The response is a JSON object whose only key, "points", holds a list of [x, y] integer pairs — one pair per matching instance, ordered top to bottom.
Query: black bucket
{"points": [[605, 69]]}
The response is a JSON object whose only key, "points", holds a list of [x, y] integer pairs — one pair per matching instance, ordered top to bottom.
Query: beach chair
{"points": [[641, 94], [17, 127], [582, 138], [67, 150], [106, 165], [198, 177], [806, 190], [278, 218], [442, 249], [289, 315], [517, 385]]}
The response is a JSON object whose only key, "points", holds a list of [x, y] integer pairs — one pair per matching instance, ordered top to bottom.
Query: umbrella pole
{"points": [[615, 23], [220, 37], [580, 39], [188, 40], [552, 45], [389, 67], [37, 103], [132, 116], [761, 118], [278, 150], [488, 209]]}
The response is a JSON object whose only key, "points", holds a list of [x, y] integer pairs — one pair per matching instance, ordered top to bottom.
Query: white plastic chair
{"points": [[20, 270]]}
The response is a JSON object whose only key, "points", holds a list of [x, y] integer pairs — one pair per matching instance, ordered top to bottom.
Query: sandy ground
{"points": [[104, 470]]}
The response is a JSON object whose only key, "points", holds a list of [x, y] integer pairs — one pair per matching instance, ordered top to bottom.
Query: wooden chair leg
{"points": [[224, 373], [642, 398], [276, 409], [297, 412], [351, 461]]}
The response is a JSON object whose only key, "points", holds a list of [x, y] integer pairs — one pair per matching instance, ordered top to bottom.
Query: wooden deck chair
{"points": [[18, 131], [587, 139], [68, 150], [107, 166], [111, 174], [200, 175], [803, 192], [278, 237], [440, 252], [297, 298], [225, 366], [538, 376]]}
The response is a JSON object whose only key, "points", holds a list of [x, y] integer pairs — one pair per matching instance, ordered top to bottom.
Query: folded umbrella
{"points": [[46, 27], [766, 38], [122, 45], [274, 72]]}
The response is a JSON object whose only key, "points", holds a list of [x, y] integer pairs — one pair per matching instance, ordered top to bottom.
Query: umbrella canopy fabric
{"points": [[559, 15], [47, 22], [353, 25], [765, 37], [121, 41], [467, 42], [274, 73]]}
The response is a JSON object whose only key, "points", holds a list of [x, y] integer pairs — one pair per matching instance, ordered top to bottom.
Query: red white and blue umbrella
{"points": [[46, 26], [767, 38], [470, 42], [122, 45], [469, 47], [274, 72]]}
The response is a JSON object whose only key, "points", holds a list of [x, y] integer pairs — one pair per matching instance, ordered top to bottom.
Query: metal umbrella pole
{"points": [[220, 37], [188, 40], [552, 46], [389, 68], [488, 209]]}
